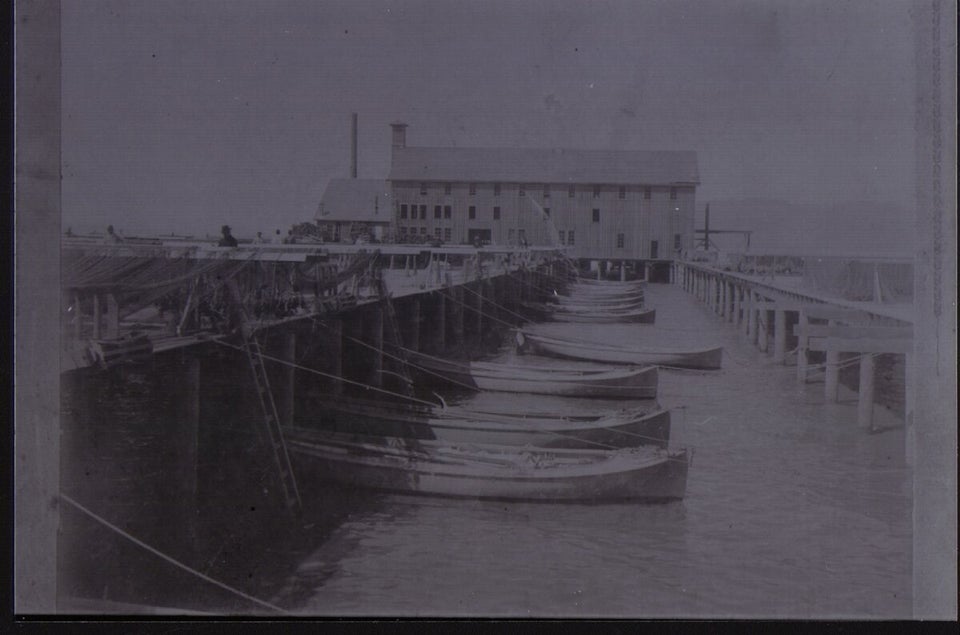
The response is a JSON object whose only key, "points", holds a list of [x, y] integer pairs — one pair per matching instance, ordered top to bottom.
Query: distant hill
{"points": [[864, 228]]}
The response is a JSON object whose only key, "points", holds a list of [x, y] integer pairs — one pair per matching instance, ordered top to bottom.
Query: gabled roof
{"points": [[533, 165], [366, 200]]}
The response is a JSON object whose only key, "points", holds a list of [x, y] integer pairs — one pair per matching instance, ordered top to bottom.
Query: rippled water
{"points": [[791, 511]]}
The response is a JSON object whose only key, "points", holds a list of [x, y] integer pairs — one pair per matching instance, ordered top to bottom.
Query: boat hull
{"points": [[646, 316], [706, 359], [640, 383], [630, 428], [650, 475]]}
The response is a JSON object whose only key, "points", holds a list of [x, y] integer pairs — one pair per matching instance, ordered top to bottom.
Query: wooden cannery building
{"points": [[603, 205], [356, 209]]}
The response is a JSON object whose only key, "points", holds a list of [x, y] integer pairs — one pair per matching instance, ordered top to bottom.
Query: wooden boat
{"points": [[575, 305], [544, 312], [602, 316], [706, 359], [634, 383], [615, 429], [490, 471]]}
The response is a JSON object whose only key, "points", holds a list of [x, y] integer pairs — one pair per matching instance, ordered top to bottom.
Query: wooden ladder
{"points": [[390, 315], [271, 432]]}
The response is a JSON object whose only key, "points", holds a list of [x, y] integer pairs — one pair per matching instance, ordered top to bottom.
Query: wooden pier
{"points": [[797, 323]]}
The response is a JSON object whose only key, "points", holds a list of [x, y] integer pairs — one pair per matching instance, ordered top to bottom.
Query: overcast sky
{"points": [[182, 116]]}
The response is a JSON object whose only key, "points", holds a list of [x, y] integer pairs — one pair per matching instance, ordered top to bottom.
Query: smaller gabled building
{"points": [[355, 209]]}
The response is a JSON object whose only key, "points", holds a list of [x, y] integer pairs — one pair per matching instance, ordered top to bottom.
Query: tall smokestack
{"points": [[399, 138], [353, 146]]}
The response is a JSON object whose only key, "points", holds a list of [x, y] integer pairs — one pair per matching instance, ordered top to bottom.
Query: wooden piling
{"points": [[97, 317], [752, 317], [413, 325], [440, 326], [779, 336], [802, 348], [831, 369], [286, 391], [865, 397]]}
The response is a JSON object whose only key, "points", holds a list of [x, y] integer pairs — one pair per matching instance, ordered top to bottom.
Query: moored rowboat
{"points": [[602, 316], [706, 359], [634, 383], [613, 429], [491, 471]]}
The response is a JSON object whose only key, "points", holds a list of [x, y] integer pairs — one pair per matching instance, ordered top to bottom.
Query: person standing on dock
{"points": [[112, 237], [227, 240]]}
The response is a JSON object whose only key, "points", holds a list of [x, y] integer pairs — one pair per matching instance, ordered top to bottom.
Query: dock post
{"points": [[479, 297], [735, 304], [97, 316], [113, 316], [78, 317], [752, 317], [458, 318], [441, 325], [763, 326], [413, 332], [779, 336], [376, 340], [335, 345], [802, 348], [831, 373], [287, 390], [865, 397], [187, 439]]}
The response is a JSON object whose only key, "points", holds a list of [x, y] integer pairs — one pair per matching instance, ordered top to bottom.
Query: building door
{"points": [[479, 236], [654, 250]]}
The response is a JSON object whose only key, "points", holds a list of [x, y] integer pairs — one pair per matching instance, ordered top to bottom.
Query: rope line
{"points": [[328, 375], [171, 560]]}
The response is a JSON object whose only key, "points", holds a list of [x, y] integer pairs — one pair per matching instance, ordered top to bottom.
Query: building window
{"points": [[423, 189], [446, 189], [473, 189], [496, 189], [521, 191], [546, 191], [571, 191], [596, 191], [622, 192], [646, 192], [673, 193], [546, 210], [403, 211], [436, 211], [423, 212], [447, 212], [472, 212], [496, 213], [596, 215], [403, 231], [423, 231], [436, 233], [446, 234], [510, 235], [522, 235], [562, 235], [571, 239], [619, 241], [676, 241], [654, 252]]}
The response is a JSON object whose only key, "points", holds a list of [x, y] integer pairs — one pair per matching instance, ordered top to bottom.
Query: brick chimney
{"points": [[399, 136]]}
